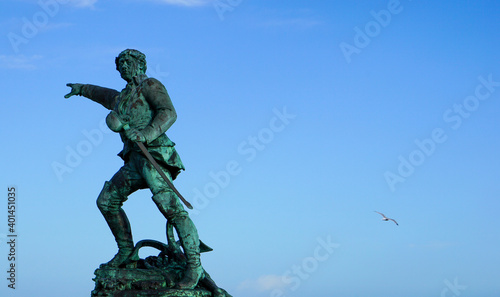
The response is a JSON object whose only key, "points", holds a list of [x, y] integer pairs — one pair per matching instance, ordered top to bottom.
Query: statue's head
{"points": [[130, 63]]}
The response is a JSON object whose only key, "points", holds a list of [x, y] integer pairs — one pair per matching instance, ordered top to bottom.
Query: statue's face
{"points": [[128, 67]]}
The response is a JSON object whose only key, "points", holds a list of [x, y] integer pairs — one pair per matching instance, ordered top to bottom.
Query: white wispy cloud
{"points": [[186, 2], [76, 3], [83, 3], [91, 3], [291, 18], [293, 22], [55, 26], [19, 62], [434, 245], [264, 283]]}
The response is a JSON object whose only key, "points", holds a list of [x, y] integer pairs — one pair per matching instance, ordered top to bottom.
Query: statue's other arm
{"points": [[104, 96], [164, 112]]}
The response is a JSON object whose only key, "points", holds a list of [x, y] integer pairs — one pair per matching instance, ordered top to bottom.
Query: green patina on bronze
{"points": [[141, 113], [155, 275]]}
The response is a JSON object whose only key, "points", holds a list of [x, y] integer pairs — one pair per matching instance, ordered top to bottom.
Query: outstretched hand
{"points": [[75, 90]]}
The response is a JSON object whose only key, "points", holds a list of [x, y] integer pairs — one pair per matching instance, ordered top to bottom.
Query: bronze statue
{"points": [[141, 113]]}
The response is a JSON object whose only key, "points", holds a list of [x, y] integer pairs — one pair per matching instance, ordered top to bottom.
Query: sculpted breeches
{"points": [[139, 173]]}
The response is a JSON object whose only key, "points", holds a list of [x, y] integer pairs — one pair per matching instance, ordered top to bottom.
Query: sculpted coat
{"points": [[143, 104]]}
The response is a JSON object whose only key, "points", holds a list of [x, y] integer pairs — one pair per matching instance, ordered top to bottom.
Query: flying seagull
{"points": [[386, 218]]}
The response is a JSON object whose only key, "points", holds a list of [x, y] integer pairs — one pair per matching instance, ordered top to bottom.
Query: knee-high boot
{"points": [[109, 203], [172, 210], [120, 227], [188, 235]]}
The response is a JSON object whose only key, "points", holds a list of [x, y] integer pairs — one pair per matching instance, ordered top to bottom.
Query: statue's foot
{"points": [[119, 259], [192, 276]]}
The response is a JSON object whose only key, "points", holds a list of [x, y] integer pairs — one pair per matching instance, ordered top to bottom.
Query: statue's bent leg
{"points": [[109, 203], [170, 207]]}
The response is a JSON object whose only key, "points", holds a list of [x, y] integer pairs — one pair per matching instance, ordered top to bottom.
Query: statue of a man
{"points": [[145, 108]]}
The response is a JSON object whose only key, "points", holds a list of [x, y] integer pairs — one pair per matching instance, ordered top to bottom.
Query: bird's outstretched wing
{"points": [[381, 214], [394, 221]]}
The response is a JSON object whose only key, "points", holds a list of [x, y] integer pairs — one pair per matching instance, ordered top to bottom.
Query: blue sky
{"points": [[296, 121]]}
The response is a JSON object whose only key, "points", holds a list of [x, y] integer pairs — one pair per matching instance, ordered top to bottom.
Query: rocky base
{"points": [[154, 276], [124, 282]]}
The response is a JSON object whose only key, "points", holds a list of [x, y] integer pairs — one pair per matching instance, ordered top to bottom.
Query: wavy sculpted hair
{"points": [[140, 57]]}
